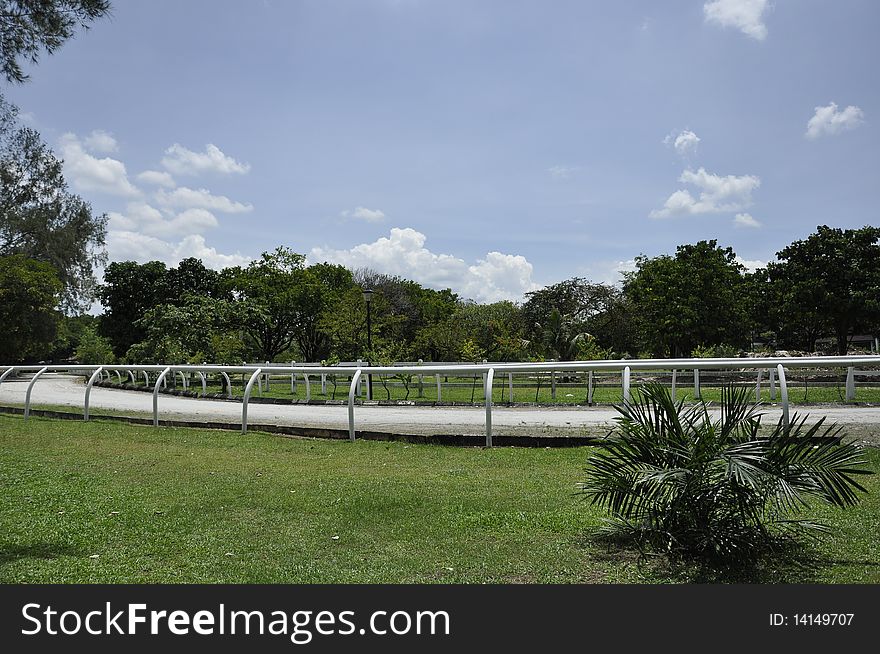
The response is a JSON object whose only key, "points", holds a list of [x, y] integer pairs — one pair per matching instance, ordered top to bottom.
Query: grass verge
{"points": [[104, 502]]}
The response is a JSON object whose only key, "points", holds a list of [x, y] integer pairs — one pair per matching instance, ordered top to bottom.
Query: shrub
{"points": [[677, 480]]}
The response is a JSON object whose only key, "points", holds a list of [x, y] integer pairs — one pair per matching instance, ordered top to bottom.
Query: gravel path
{"points": [[861, 422]]}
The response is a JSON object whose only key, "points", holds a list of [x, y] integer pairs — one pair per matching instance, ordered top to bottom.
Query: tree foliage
{"points": [[28, 27], [40, 218], [826, 283], [29, 292], [694, 298]]}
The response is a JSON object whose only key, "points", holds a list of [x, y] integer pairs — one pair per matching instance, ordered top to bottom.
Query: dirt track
{"points": [[860, 422]]}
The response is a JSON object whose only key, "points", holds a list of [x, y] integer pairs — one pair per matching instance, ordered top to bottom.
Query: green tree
{"points": [[28, 27], [40, 218], [829, 282], [267, 287], [128, 292], [29, 296], [695, 298], [599, 309], [192, 332], [94, 348]]}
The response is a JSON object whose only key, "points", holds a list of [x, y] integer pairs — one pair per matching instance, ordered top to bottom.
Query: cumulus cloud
{"points": [[744, 15], [828, 120], [101, 141], [685, 142], [183, 161], [91, 174], [157, 178], [717, 194], [187, 198], [362, 213], [140, 216], [745, 220], [134, 246], [751, 265], [496, 277]]}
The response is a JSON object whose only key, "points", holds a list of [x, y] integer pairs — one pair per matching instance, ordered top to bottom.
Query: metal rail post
{"points": [[6, 374], [159, 381], [355, 382], [228, 384], [850, 384], [89, 385], [590, 388], [783, 391], [487, 392], [626, 393], [697, 394], [27, 397], [244, 399]]}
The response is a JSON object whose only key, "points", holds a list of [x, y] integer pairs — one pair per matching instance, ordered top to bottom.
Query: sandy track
{"points": [[863, 422]]}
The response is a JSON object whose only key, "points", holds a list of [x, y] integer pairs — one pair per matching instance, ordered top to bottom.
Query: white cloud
{"points": [[744, 15], [828, 120], [101, 141], [685, 142], [183, 161], [562, 172], [88, 173], [157, 178], [717, 194], [187, 198], [362, 213], [144, 218], [745, 220], [133, 246], [751, 265], [496, 277]]}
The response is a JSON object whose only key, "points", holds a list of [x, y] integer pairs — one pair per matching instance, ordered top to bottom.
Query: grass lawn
{"points": [[103, 502]]}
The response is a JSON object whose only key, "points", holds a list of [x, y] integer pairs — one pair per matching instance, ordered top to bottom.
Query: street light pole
{"points": [[368, 298]]}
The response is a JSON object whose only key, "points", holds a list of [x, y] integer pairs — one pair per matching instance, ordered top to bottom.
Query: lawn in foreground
{"points": [[103, 502]]}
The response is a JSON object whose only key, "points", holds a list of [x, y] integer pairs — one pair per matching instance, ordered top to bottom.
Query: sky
{"points": [[489, 146]]}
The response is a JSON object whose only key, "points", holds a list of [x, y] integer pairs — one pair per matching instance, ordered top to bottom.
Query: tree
{"points": [[27, 27], [39, 218], [190, 277], [828, 282], [319, 287], [128, 292], [29, 295], [695, 298], [285, 302], [599, 309], [496, 329], [193, 331], [560, 338], [94, 348]]}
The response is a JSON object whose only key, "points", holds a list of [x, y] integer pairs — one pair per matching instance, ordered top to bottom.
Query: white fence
{"points": [[776, 368]]}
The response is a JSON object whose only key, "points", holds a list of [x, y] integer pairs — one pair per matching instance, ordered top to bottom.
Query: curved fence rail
{"points": [[776, 368]]}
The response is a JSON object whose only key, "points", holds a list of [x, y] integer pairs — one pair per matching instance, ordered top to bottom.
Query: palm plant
{"points": [[678, 480]]}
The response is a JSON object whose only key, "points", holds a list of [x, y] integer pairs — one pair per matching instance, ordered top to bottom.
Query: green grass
{"points": [[464, 391], [188, 505]]}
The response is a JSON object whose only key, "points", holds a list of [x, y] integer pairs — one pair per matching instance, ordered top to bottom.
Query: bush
{"points": [[675, 480]]}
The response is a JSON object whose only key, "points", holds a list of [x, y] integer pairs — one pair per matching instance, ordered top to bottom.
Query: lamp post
{"points": [[368, 298]]}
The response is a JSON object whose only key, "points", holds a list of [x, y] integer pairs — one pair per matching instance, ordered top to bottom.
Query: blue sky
{"points": [[490, 146]]}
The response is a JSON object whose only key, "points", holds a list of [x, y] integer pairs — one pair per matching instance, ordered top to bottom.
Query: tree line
{"points": [[697, 302]]}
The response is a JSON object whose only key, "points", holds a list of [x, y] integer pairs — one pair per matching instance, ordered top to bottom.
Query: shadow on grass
{"points": [[12, 553], [787, 563]]}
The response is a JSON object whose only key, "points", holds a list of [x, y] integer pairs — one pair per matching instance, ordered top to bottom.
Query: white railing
{"points": [[775, 366]]}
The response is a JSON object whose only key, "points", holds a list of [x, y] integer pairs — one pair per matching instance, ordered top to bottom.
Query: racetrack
{"points": [[62, 390]]}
